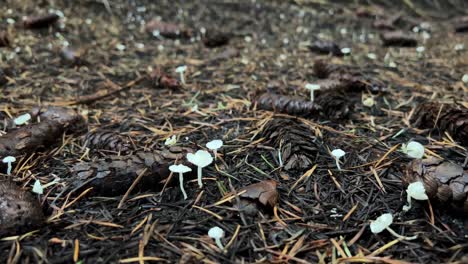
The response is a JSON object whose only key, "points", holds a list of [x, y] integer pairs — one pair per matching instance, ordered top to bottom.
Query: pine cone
{"points": [[323, 69], [286, 104], [332, 106], [446, 117], [106, 140], [297, 142], [113, 175], [444, 182], [19, 211]]}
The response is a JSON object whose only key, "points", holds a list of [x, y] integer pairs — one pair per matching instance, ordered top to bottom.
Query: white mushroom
{"points": [[181, 70], [312, 87], [22, 119], [172, 140], [214, 145], [413, 149], [337, 154], [201, 159], [9, 160], [181, 169], [37, 187], [416, 191], [383, 222], [217, 233]]}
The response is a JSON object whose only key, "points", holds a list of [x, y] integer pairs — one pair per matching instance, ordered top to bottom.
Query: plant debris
{"points": [[37, 22], [167, 30], [398, 38]]}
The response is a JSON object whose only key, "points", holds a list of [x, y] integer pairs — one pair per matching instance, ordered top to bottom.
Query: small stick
{"points": [[87, 99], [135, 182]]}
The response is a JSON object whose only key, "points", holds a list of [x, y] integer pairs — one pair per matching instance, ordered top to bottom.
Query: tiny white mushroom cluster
{"points": [[201, 159]]}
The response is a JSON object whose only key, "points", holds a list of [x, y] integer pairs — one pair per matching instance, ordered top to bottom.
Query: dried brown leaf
{"points": [[265, 192]]}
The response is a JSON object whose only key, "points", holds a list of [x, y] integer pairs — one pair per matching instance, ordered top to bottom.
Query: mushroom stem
{"points": [[182, 79], [311, 95], [215, 152], [337, 163], [9, 168], [199, 172], [181, 182], [407, 207], [398, 235], [219, 243]]}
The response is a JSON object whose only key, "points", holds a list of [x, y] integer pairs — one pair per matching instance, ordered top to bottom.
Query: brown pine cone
{"points": [[286, 104], [446, 117], [106, 140], [297, 142], [114, 174], [444, 182], [19, 211]]}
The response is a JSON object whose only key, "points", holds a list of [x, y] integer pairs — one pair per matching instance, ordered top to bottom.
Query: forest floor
{"points": [[108, 194]]}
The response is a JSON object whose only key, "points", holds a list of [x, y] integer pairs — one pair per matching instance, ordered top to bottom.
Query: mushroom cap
{"points": [[181, 69], [312, 86], [22, 119], [170, 140], [214, 144], [413, 149], [338, 153], [201, 158], [8, 159], [181, 168], [37, 187], [417, 191], [382, 222], [216, 232]]}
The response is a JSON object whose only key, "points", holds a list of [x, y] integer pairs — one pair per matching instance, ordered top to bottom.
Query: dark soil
{"points": [[235, 53]]}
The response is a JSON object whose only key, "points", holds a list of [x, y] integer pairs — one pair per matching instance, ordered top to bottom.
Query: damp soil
{"points": [[247, 64]]}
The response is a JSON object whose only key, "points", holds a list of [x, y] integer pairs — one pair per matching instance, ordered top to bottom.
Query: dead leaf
{"points": [[265, 192]]}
